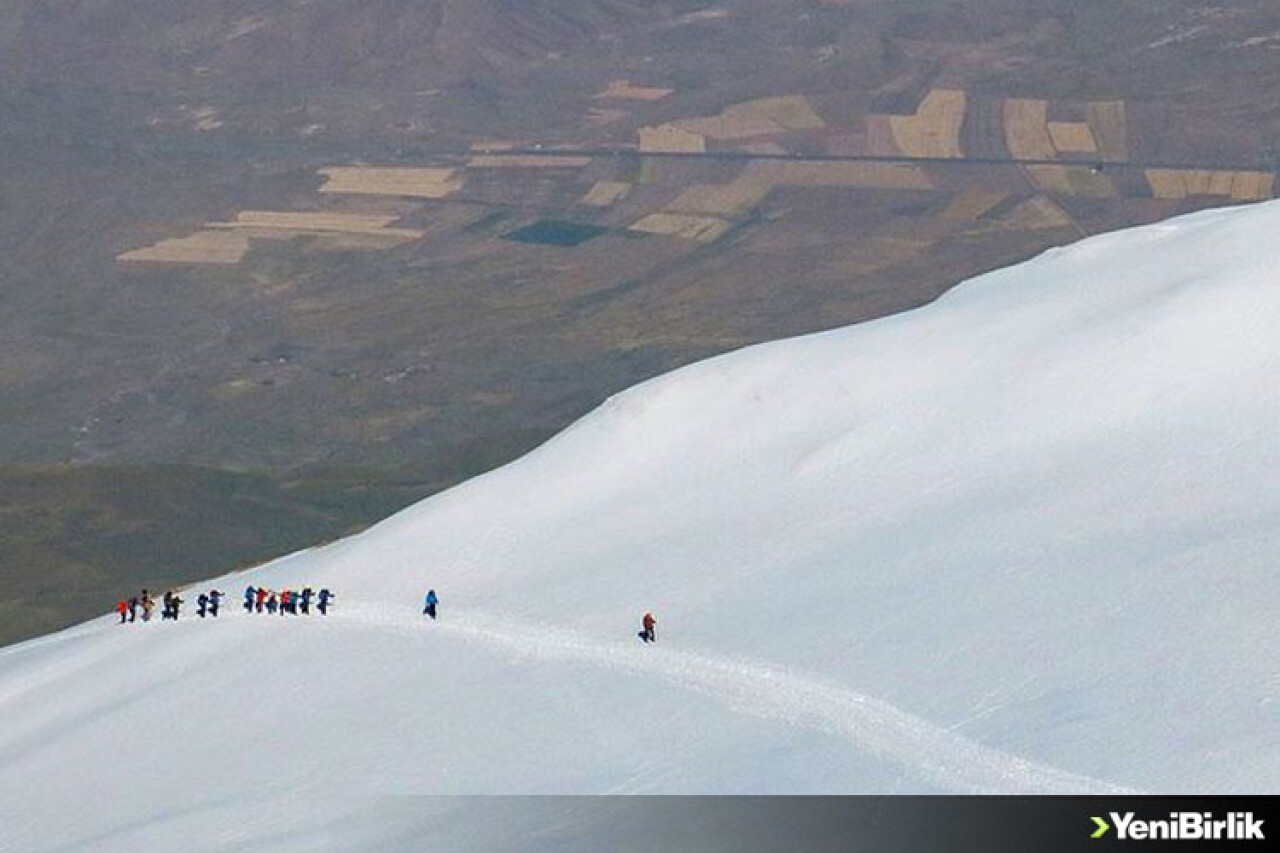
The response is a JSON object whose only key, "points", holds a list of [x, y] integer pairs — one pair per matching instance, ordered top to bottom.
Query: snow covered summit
{"points": [[1021, 540]]}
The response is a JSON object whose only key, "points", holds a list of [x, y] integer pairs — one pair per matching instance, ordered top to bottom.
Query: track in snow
{"points": [[934, 753]]}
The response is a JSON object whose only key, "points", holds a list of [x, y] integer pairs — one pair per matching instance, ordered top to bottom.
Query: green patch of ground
{"points": [[556, 232]]}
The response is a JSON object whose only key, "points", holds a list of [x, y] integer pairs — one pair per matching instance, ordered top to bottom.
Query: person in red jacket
{"points": [[262, 598], [122, 607], [649, 634]]}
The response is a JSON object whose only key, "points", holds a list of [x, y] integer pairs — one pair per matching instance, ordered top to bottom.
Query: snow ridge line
{"points": [[764, 690]]}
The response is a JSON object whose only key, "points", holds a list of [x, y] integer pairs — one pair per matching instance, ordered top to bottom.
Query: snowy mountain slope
{"points": [[1019, 540]]}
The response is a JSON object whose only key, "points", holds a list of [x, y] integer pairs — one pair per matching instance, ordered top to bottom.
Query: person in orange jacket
{"points": [[122, 607], [650, 623]]}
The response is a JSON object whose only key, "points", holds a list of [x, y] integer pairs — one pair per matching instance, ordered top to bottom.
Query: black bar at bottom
{"points": [[753, 824]]}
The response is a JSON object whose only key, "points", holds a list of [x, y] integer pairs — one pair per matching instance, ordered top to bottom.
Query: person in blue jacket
{"points": [[250, 594], [215, 601], [322, 601], [429, 604]]}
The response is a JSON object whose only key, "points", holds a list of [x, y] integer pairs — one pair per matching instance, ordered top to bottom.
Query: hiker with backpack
{"points": [[649, 625]]}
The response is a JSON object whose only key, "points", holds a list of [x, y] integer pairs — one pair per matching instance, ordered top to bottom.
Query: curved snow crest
{"points": [[1094, 305], [760, 689]]}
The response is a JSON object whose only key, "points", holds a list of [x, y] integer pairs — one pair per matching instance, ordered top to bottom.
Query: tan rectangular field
{"points": [[1107, 122], [934, 130], [1026, 130], [1073, 137], [668, 138], [880, 138], [1050, 179], [414, 182], [1166, 183], [1181, 183], [1252, 186], [605, 193], [729, 199], [303, 221], [701, 228], [203, 247]]}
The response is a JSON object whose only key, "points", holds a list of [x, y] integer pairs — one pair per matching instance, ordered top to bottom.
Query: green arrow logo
{"points": [[1103, 826]]}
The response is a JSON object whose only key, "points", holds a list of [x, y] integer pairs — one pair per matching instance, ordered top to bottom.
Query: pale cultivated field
{"points": [[626, 91], [763, 117], [1107, 121], [1026, 129], [934, 130], [1072, 137], [671, 139], [880, 139], [527, 161], [1051, 178], [414, 182], [1167, 183], [1181, 183], [1252, 186], [605, 193], [731, 199], [972, 204], [1037, 212], [306, 222], [701, 228], [227, 242], [203, 247]]}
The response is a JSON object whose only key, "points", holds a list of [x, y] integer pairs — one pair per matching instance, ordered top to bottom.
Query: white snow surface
{"points": [[1022, 540]]}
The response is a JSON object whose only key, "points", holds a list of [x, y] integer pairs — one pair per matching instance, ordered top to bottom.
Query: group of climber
{"points": [[289, 602], [129, 608]]}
